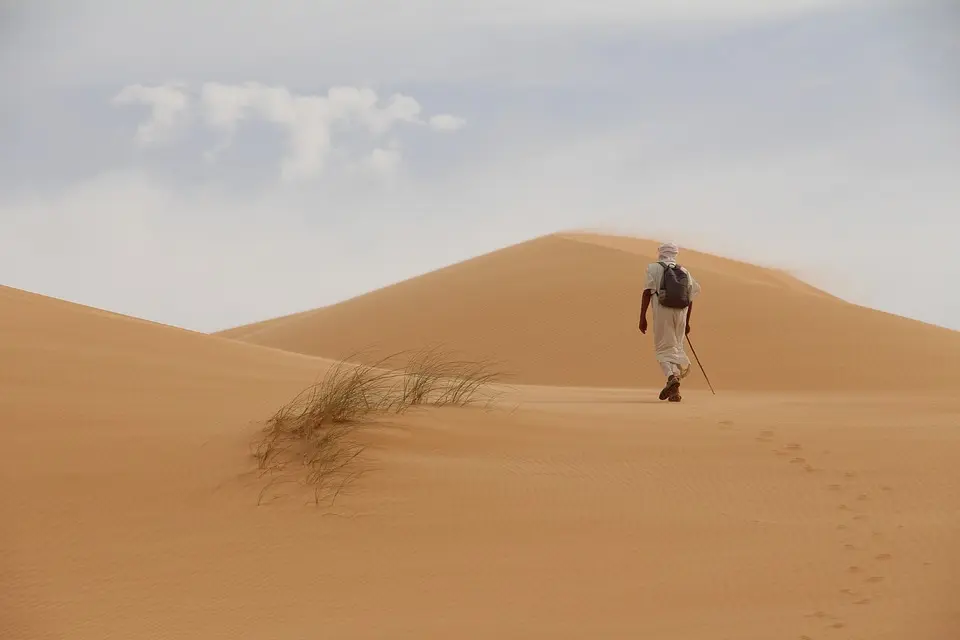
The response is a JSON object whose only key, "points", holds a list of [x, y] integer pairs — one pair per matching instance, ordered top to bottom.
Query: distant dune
{"points": [[563, 310], [73, 348]]}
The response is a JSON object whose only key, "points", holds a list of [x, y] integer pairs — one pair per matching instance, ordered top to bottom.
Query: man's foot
{"points": [[673, 386], [674, 398]]}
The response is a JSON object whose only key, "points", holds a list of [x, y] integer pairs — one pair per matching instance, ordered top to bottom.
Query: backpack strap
{"points": [[662, 277]]}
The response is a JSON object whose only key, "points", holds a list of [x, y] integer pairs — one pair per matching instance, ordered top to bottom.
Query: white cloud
{"points": [[168, 105], [224, 105], [308, 120], [447, 122], [384, 161]]}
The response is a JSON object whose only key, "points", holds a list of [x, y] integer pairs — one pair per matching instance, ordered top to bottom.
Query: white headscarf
{"points": [[667, 252]]}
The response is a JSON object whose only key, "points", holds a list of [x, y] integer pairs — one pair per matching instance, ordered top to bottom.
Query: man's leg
{"points": [[674, 329], [665, 332], [672, 372]]}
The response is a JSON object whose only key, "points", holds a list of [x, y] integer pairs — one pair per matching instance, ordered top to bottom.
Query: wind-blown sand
{"points": [[129, 508]]}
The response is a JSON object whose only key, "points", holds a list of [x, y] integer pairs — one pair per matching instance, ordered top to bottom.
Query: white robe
{"points": [[669, 325]]}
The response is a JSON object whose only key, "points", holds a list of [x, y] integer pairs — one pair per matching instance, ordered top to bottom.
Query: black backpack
{"points": [[674, 292]]}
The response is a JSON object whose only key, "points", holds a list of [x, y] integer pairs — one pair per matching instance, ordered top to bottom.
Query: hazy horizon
{"points": [[208, 164]]}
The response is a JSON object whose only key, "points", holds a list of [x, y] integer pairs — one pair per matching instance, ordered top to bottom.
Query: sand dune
{"points": [[563, 309], [129, 503]]}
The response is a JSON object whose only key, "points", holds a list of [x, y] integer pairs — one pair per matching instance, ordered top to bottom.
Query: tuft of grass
{"points": [[431, 377], [466, 382], [312, 432]]}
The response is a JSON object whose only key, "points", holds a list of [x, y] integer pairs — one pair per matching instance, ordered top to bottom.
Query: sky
{"points": [[208, 163]]}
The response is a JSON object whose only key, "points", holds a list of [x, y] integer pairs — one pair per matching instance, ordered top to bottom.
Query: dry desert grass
{"points": [[310, 435]]}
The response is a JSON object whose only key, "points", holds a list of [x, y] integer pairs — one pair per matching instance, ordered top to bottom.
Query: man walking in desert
{"points": [[671, 288]]}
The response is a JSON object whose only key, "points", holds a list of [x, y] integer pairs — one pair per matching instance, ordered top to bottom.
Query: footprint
{"points": [[793, 446], [797, 461], [809, 468], [850, 475], [835, 487], [886, 488], [863, 496], [843, 507], [861, 516], [841, 527], [850, 547], [884, 556], [854, 569], [875, 579], [848, 592], [863, 601], [837, 625]]}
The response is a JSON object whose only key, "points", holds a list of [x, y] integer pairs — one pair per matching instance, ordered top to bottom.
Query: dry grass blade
{"points": [[422, 376], [468, 380], [316, 425]]}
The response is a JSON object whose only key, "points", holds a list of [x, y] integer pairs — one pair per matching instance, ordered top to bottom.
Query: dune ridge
{"points": [[562, 310]]}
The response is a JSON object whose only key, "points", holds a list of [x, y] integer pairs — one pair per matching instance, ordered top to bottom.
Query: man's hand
{"points": [[643, 324], [686, 331]]}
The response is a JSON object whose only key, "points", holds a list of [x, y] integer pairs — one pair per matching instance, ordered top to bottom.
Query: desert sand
{"points": [[804, 500]]}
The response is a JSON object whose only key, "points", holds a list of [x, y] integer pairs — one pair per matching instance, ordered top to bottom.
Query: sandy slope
{"points": [[563, 309], [128, 509]]}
